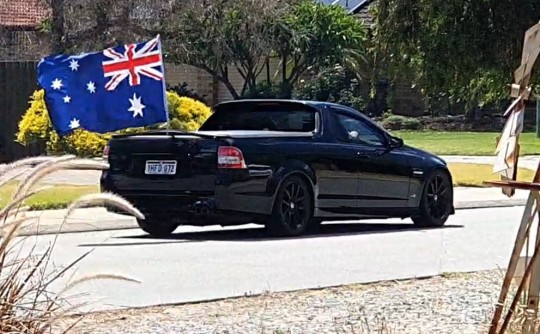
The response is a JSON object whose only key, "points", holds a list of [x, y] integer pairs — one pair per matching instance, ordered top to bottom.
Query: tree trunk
{"points": [[57, 29], [230, 87]]}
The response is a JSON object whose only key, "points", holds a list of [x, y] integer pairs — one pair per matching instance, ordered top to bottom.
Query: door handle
{"points": [[369, 154], [362, 155]]}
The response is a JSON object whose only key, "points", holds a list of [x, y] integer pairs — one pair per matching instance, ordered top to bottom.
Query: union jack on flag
{"points": [[133, 63]]}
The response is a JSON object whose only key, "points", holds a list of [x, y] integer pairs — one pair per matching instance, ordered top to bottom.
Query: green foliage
{"points": [[316, 35], [222, 37], [460, 51], [333, 84], [183, 90], [267, 90], [185, 113], [397, 122]]}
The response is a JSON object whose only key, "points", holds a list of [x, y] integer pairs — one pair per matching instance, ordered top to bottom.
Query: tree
{"points": [[83, 25], [215, 35], [317, 35], [458, 51], [336, 84]]}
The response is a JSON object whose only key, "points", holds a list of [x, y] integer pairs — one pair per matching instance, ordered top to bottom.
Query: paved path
{"points": [[98, 219], [200, 264]]}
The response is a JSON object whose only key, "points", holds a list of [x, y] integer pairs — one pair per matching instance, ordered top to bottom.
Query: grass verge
{"points": [[464, 143], [473, 175], [57, 197]]}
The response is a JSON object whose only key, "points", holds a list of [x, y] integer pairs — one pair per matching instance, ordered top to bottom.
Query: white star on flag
{"points": [[74, 65], [56, 84], [91, 87], [67, 99], [136, 106], [75, 123]]}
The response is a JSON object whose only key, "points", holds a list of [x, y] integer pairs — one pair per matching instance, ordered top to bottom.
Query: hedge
{"points": [[186, 114]]}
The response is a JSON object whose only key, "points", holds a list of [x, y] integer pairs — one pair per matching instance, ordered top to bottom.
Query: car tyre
{"points": [[436, 203], [293, 208], [157, 227]]}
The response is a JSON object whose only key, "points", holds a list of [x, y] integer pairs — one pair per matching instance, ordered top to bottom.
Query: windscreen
{"points": [[293, 117]]}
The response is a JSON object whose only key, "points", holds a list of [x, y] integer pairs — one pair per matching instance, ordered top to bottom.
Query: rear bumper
{"points": [[232, 199]]}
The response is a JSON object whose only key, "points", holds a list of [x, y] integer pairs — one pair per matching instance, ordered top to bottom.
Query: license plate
{"points": [[160, 167]]}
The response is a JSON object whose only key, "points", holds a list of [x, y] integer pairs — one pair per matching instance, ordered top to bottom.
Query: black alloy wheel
{"points": [[436, 203], [293, 208]]}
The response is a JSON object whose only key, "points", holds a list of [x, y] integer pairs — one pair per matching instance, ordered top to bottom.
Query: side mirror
{"points": [[396, 142]]}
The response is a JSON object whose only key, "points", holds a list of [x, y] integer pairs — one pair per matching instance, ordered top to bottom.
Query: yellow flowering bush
{"points": [[186, 114]]}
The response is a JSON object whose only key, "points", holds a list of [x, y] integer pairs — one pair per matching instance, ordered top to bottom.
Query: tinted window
{"points": [[280, 117], [355, 130]]}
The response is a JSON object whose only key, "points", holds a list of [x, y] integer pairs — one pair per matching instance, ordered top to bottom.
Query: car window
{"points": [[262, 117], [355, 130]]}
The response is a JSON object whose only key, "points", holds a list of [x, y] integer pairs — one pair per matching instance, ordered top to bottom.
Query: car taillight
{"points": [[106, 151], [230, 157]]}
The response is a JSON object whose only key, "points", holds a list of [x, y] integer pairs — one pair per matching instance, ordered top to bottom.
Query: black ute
{"points": [[286, 164]]}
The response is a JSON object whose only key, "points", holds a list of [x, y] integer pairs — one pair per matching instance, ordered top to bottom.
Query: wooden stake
{"points": [[524, 228], [514, 258], [534, 286], [520, 289]]}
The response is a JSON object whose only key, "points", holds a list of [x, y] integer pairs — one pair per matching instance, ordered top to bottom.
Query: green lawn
{"points": [[465, 143], [53, 198]]}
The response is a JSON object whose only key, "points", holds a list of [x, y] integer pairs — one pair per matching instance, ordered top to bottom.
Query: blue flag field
{"points": [[114, 89]]}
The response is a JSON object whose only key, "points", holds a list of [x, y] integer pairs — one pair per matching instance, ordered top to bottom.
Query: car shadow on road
{"points": [[259, 233]]}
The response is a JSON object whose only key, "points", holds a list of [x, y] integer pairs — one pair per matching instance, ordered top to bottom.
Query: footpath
{"points": [[98, 219]]}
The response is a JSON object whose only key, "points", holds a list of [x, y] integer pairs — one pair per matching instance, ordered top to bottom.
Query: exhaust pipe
{"points": [[202, 208]]}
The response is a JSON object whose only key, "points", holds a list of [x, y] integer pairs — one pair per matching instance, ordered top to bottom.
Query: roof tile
{"points": [[22, 13]]}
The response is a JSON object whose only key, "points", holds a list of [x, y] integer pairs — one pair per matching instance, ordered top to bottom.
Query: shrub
{"points": [[336, 84], [183, 90], [268, 90], [186, 114], [396, 122]]}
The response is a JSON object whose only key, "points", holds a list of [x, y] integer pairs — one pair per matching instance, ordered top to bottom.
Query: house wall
{"points": [[21, 45], [197, 79], [223, 94], [407, 101]]}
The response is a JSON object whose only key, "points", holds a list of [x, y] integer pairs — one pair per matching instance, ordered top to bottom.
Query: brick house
{"points": [[20, 38]]}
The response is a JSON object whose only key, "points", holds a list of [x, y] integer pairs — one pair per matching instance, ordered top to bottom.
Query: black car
{"points": [[286, 164]]}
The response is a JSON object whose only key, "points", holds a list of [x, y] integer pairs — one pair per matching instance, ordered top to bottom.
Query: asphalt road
{"points": [[201, 264]]}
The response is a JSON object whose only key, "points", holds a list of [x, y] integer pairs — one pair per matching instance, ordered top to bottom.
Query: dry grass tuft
{"points": [[102, 199], [26, 304]]}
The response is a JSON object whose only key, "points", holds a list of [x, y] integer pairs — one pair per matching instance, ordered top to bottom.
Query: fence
{"points": [[17, 82]]}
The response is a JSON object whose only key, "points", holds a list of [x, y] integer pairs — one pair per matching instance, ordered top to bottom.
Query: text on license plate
{"points": [[160, 167]]}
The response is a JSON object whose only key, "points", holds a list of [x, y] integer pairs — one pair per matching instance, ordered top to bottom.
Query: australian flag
{"points": [[114, 89]]}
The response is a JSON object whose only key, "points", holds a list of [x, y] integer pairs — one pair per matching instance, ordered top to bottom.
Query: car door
{"points": [[337, 174], [384, 175]]}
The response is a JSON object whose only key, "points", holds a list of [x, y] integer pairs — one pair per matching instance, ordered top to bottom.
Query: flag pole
{"points": [[165, 103]]}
